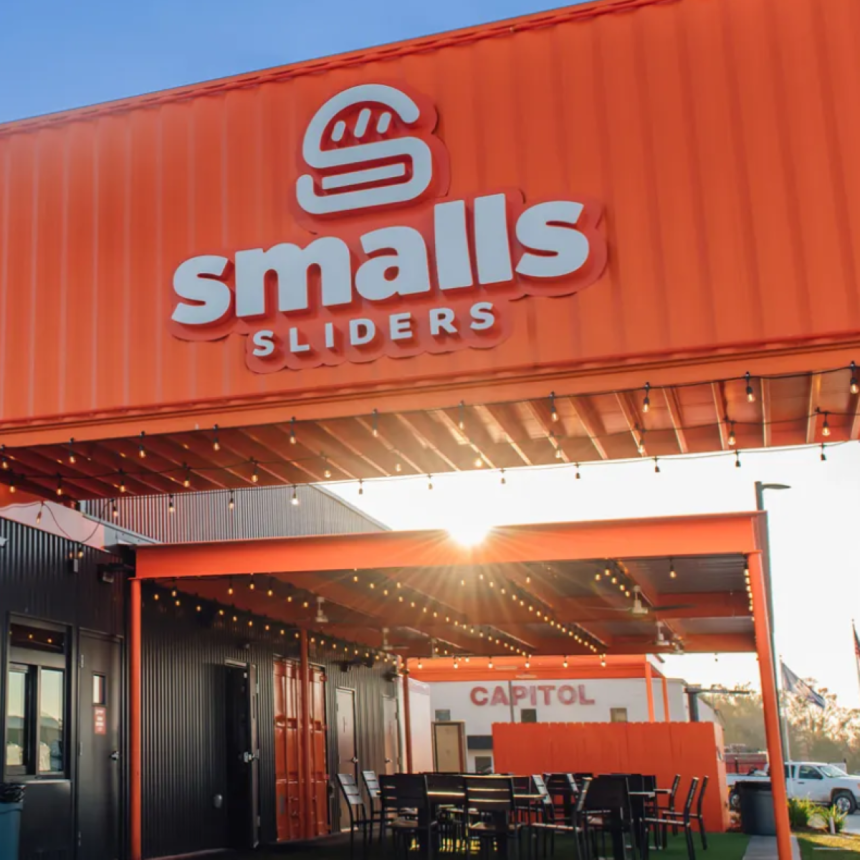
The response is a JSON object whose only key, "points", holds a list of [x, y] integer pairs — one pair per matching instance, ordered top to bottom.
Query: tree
{"points": [[831, 734]]}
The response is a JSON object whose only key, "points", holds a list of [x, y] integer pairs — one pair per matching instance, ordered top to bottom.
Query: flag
{"points": [[856, 649], [793, 684]]}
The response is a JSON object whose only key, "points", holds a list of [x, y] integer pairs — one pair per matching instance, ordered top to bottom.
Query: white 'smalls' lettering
{"points": [[440, 279]]}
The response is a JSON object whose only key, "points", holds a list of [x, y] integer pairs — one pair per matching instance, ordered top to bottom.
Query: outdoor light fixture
{"points": [[854, 386], [750, 392], [646, 403], [552, 410], [462, 421], [825, 428], [375, 429], [732, 438], [293, 439], [216, 445], [141, 451], [72, 458], [326, 470], [255, 477], [503, 480], [59, 485], [294, 500], [232, 503], [171, 507]]}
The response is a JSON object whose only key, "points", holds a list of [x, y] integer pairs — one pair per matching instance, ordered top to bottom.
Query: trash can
{"points": [[11, 804], [756, 805]]}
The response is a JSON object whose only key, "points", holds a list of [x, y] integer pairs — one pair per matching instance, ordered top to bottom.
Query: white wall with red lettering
{"points": [[479, 704]]}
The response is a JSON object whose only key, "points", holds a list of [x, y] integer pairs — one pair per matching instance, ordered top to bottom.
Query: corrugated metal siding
{"points": [[719, 134], [260, 512], [36, 581], [184, 735]]}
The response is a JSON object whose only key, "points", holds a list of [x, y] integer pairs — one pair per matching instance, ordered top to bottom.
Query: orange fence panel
{"points": [[661, 749]]}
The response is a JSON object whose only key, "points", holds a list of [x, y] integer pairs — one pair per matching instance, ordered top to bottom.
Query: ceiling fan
{"points": [[641, 609], [321, 617], [661, 641]]}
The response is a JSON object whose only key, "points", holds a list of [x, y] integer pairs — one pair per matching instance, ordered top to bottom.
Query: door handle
{"points": [[114, 756], [354, 760], [388, 761]]}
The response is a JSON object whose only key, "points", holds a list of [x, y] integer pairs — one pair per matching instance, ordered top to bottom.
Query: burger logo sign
{"points": [[393, 265]]}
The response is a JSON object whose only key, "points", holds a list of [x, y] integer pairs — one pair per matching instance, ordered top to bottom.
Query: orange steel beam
{"points": [[790, 357], [674, 408], [722, 409], [540, 413], [766, 413], [501, 416], [634, 422], [590, 423], [418, 425], [474, 435], [342, 436], [716, 534], [719, 604], [710, 643], [649, 688], [770, 701], [666, 714], [134, 723]]}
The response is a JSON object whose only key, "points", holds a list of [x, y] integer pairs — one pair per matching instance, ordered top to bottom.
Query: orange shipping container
{"points": [[710, 145]]}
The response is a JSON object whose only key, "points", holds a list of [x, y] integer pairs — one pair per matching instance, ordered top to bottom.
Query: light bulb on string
{"points": [[854, 386], [750, 392], [646, 402], [552, 410], [462, 421], [375, 423], [825, 427], [293, 439], [733, 440], [216, 445], [640, 447], [141, 451], [823, 455], [72, 458], [737, 459], [479, 461], [398, 466], [656, 466], [326, 469], [255, 475], [578, 476], [187, 479], [503, 480], [429, 482], [59, 485], [12, 486], [122, 486], [360, 487], [294, 499], [231, 504], [171, 506], [114, 510], [39, 514], [672, 572], [251, 584], [230, 586], [490, 663], [564, 664]]}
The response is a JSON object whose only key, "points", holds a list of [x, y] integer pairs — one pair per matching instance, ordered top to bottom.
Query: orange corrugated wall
{"points": [[720, 135], [661, 749]]}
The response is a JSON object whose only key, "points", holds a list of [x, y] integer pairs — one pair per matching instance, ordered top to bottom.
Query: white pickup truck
{"points": [[820, 783]]}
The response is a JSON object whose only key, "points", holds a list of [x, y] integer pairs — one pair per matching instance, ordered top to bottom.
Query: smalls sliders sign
{"points": [[394, 267]]}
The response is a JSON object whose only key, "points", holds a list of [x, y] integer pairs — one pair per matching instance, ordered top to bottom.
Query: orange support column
{"points": [[649, 681], [770, 702], [407, 716], [666, 716], [306, 773], [135, 790]]}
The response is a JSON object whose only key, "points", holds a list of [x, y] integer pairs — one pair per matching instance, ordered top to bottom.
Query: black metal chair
{"points": [[562, 788], [374, 799], [406, 810], [450, 810], [608, 812], [491, 813], [699, 815], [358, 818], [678, 820], [548, 826]]}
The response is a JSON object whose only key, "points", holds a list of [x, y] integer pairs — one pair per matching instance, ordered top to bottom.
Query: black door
{"points": [[243, 757], [100, 769]]}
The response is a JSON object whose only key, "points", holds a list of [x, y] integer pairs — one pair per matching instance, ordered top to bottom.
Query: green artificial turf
{"points": [[822, 846]]}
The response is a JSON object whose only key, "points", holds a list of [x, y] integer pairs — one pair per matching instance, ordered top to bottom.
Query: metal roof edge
{"points": [[401, 48], [349, 506]]}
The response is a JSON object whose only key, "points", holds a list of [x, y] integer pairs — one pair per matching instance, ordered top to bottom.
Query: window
{"points": [[99, 689], [36, 701], [528, 715], [618, 715], [17, 747], [483, 764], [807, 772]]}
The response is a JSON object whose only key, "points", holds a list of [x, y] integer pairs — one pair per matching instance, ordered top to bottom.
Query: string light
{"points": [[854, 386], [750, 392], [646, 403], [552, 410], [375, 418], [462, 422], [825, 428], [732, 438], [293, 439], [216, 445], [640, 447], [141, 451], [823, 455], [72, 458], [737, 459], [398, 466], [656, 466], [326, 469], [255, 476], [578, 476], [503, 479], [187, 480], [429, 482], [59, 485], [12, 487], [122, 487], [360, 487], [294, 499], [232, 503], [171, 507], [114, 510], [39, 514], [672, 572], [251, 584], [230, 586], [490, 663], [420, 664], [564, 664]]}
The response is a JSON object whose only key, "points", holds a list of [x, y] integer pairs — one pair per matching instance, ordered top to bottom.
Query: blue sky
{"points": [[57, 54]]}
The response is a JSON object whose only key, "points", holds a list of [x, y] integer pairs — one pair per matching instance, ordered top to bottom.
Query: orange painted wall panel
{"points": [[720, 136], [661, 749]]}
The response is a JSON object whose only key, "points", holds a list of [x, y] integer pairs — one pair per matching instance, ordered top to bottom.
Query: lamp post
{"points": [[759, 503]]}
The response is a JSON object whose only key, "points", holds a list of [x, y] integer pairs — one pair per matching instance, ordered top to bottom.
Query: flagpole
{"points": [[786, 742]]}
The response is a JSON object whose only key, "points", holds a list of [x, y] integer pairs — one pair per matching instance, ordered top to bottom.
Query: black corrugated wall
{"points": [[37, 581], [184, 731]]}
